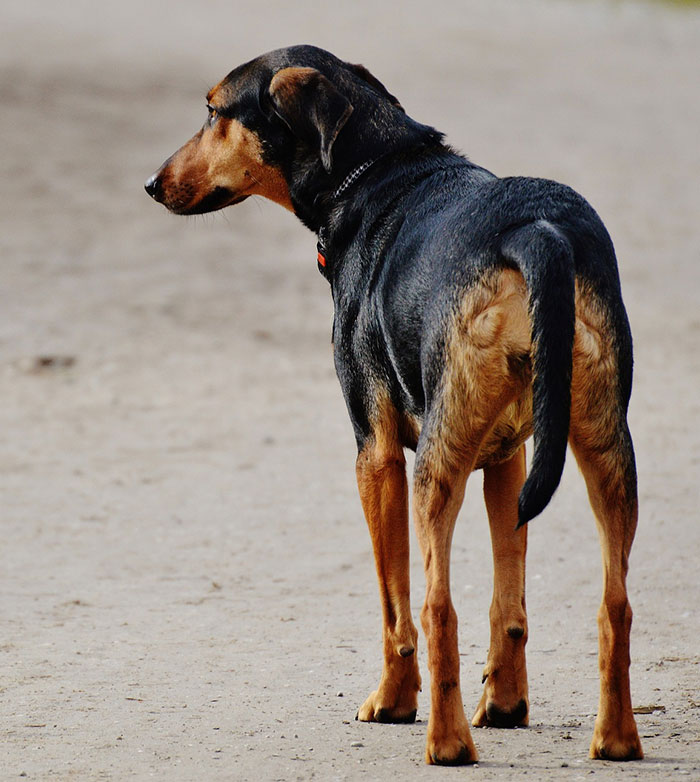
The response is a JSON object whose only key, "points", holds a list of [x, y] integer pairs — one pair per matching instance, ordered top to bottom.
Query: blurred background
{"points": [[187, 584]]}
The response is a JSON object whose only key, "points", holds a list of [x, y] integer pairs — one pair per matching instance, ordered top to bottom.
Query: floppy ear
{"points": [[373, 81], [311, 107]]}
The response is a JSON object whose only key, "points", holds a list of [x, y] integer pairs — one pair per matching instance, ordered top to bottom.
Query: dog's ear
{"points": [[373, 81], [312, 108]]}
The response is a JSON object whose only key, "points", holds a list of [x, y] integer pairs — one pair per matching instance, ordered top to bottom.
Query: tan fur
{"points": [[287, 82], [226, 155], [485, 405], [594, 405], [483, 413], [481, 419], [600, 442], [381, 479], [436, 502], [505, 672]]}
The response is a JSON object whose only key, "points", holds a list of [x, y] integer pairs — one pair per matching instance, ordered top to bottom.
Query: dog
{"points": [[471, 312]]}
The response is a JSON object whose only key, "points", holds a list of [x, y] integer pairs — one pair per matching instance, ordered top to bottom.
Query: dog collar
{"points": [[352, 177], [349, 180], [321, 248]]}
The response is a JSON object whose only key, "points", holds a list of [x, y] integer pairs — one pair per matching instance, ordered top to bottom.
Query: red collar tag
{"points": [[321, 249]]}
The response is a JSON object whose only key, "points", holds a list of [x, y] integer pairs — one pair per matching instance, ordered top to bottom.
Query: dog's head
{"points": [[277, 123]]}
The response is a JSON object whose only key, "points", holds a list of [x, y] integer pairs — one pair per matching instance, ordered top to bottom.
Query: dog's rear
{"points": [[470, 311], [530, 335]]}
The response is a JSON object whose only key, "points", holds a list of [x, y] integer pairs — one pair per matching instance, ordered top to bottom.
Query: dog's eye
{"points": [[212, 113]]}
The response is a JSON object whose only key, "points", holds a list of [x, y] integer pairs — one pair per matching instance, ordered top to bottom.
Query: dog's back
{"points": [[427, 267]]}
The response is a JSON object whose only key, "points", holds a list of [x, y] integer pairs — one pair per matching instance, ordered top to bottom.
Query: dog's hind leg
{"points": [[480, 377], [601, 442], [381, 478], [612, 491], [438, 496], [504, 703]]}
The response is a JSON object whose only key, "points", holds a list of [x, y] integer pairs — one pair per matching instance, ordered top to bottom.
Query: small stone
{"points": [[357, 744]]}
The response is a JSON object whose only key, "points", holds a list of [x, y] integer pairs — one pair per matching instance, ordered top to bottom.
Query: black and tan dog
{"points": [[470, 312]]}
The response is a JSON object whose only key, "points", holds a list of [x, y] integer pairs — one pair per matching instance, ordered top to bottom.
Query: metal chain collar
{"points": [[352, 177]]}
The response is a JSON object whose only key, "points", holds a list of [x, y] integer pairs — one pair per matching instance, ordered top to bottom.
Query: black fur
{"points": [[415, 231]]}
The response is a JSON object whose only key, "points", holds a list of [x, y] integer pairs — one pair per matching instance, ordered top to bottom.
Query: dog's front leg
{"points": [[381, 478]]}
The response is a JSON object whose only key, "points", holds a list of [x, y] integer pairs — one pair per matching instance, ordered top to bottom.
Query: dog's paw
{"points": [[396, 698], [504, 702], [374, 709], [489, 715], [616, 744], [451, 749]]}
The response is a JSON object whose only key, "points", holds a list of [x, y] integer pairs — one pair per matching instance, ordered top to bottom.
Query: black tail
{"points": [[544, 256]]}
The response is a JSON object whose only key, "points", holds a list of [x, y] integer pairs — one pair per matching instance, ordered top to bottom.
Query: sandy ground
{"points": [[187, 590]]}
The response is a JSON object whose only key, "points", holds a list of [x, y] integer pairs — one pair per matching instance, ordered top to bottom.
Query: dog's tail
{"points": [[544, 256]]}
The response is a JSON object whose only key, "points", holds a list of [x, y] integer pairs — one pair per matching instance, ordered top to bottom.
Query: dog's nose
{"points": [[153, 187]]}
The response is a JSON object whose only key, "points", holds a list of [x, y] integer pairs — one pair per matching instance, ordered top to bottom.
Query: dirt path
{"points": [[187, 587]]}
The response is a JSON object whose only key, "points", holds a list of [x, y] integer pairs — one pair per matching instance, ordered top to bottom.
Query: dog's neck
{"points": [[352, 177], [316, 190], [322, 232]]}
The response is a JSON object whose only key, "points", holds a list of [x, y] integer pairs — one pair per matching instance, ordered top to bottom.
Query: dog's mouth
{"points": [[219, 198], [237, 200]]}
